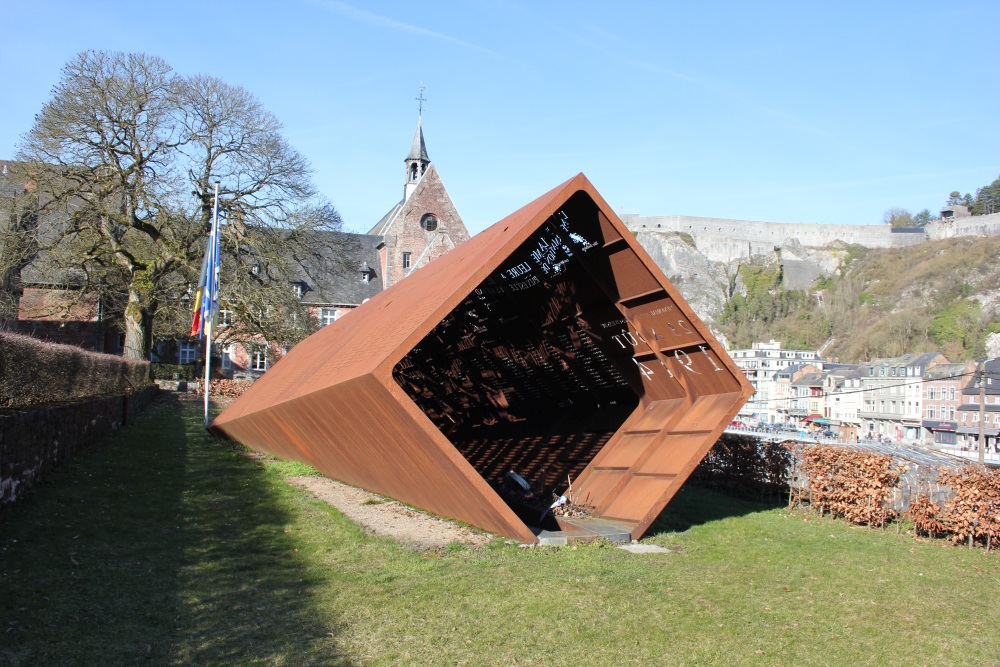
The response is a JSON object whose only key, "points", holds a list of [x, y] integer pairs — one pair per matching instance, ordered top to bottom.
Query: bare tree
{"points": [[130, 152], [898, 218], [276, 229]]}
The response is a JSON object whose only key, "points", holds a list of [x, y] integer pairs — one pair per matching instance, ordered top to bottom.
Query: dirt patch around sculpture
{"points": [[389, 518]]}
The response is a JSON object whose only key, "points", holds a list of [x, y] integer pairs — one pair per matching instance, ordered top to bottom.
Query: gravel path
{"points": [[389, 518]]}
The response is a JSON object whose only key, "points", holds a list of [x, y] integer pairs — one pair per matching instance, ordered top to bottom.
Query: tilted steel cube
{"points": [[549, 345]]}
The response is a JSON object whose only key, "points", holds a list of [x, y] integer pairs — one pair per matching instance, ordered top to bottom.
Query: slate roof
{"points": [[418, 149], [382, 226], [333, 275], [945, 371], [809, 380]]}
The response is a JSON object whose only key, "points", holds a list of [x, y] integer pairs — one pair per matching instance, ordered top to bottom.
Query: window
{"points": [[429, 222], [406, 260], [298, 289], [327, 316], [225, 318], [187, 352], [227, 357], [259, 361], [944, 438]]}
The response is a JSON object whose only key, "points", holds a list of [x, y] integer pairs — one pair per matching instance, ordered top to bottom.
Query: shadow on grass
{"points": [[695, 505], [161, 545]]}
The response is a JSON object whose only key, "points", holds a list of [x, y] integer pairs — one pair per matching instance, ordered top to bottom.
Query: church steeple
{"points": [[417, 161]]}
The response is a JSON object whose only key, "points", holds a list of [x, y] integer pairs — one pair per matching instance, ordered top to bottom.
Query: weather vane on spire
{"points": [[421, 99]]}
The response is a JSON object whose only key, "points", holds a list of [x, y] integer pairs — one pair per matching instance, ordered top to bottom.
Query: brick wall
{"points": [[406, 234], [35, 441]]}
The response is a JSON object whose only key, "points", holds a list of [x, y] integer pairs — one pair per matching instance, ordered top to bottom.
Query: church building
{"points": [[423, 225]]}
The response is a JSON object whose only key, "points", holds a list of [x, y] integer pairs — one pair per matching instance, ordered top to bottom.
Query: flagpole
{"points": [[212, 245], [208, 365]]}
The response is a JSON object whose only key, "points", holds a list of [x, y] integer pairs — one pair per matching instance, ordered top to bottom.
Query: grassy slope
{"points": [[167, 546]]}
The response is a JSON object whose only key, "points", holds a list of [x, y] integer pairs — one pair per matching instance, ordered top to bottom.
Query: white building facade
{"points": [[759, 364]]}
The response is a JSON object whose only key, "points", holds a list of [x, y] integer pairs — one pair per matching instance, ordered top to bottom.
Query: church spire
{"points": [[417, 160]]}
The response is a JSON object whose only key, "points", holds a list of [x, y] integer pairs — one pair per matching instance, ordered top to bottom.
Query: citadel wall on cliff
{"points": [[724, 240]]}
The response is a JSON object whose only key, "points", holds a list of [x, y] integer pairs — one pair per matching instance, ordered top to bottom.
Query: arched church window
{"points": [[429, 222]]}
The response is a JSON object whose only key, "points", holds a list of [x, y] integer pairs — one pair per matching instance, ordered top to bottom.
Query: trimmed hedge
{"points": [[33, 372], [746, 466]]}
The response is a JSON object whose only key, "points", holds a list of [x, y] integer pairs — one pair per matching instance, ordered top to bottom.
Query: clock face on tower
{"points": [[429, 222]]}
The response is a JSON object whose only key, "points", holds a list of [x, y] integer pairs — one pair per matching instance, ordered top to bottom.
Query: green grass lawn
{"points": [[166, 546]]}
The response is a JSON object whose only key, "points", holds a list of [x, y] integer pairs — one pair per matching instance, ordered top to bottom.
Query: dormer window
{"points": [[429, 222], [366, 273], [298, 289]]}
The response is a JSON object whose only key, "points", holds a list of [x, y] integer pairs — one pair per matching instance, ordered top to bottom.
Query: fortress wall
{"points": [[976, 225], [768, 233], [724, 240]]}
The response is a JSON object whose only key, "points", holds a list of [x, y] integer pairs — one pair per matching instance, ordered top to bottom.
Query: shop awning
{"points": [[974, 430]]}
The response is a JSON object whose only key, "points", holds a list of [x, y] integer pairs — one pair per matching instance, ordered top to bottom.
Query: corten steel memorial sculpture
{"points": [[548, 344]]}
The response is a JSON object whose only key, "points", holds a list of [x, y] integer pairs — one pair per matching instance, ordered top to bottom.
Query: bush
{"points": [[174, 371], [33, 373], [230, 388], [851, 484], [973, 514]]}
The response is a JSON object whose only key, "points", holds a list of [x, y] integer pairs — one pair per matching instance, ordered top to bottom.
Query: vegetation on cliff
{"points": [[937, 296]]}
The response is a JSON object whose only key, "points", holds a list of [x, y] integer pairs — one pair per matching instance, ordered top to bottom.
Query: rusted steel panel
{"points": [[549, 344]]}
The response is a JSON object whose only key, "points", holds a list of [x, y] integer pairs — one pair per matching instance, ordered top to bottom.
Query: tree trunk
{"points": [[10, 299], [138, 332]]}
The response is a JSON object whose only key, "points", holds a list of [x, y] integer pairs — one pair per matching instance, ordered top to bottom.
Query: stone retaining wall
{"points": [[34, 441]]}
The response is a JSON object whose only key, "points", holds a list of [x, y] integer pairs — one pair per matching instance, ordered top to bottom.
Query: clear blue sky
{"points": [[789, 112]]}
